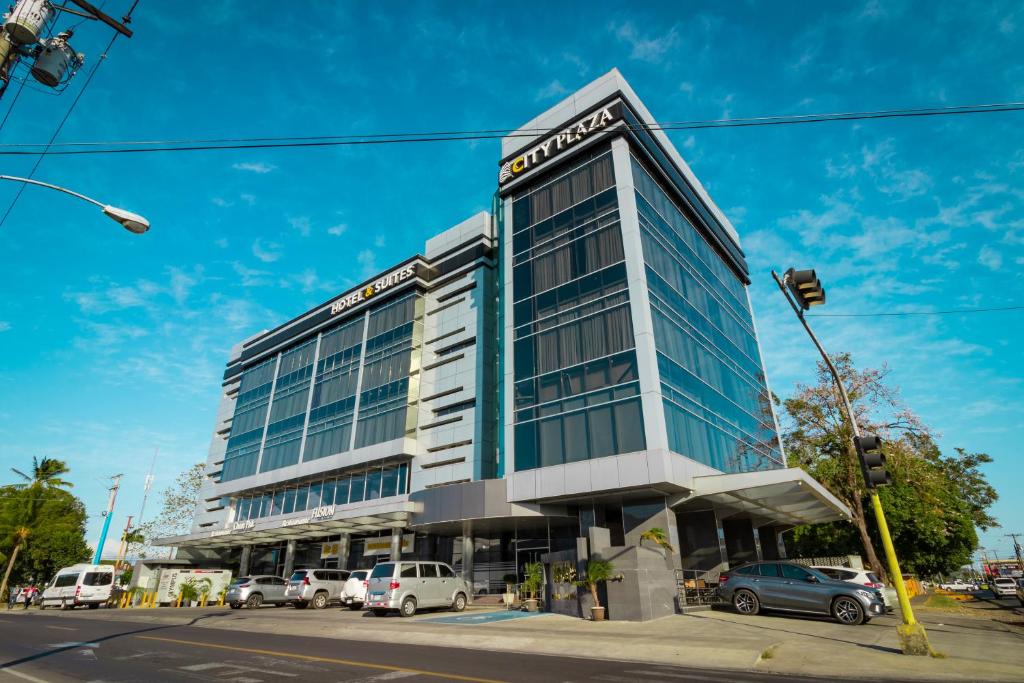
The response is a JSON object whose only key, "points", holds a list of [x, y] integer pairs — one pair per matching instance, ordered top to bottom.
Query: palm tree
{"points": [[45, 472], [657, 536], [598, 571]]}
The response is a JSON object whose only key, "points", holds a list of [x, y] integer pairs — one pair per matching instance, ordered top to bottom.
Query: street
{"points": [[57, 648]]}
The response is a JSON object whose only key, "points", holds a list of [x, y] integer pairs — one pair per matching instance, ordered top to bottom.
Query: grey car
{"points": [[408, 586], [317, 587], [791, 587], [253, 591]]}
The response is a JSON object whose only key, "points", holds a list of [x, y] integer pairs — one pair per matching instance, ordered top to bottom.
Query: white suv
{"points": [[862, 577], [1003, 587], [353, 594]]}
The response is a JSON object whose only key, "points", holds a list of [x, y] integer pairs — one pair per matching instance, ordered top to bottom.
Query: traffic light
{"points": [[806, 287], [872, 460]]}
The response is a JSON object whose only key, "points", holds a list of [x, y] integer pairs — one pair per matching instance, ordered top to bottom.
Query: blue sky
{"points": [[113, 344]]}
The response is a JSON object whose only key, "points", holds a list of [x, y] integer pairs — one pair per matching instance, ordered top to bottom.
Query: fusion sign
{"points": [[559, 142], [376, 287]]}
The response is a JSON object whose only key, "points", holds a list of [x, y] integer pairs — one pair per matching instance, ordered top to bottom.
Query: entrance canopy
{"points": [[785, 496]]}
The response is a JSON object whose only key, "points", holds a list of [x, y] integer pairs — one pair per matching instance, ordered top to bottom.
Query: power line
{"points": [[67, 115], [192, 145], [953, 311]]}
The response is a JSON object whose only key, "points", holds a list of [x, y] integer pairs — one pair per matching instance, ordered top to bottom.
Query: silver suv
{"points": [[408, 586], [317, 587], [793, 588], [253, 591]]}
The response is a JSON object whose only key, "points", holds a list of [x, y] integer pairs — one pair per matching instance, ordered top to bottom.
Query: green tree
{"points": [[935, 502], [177, 507], [40, 522]]}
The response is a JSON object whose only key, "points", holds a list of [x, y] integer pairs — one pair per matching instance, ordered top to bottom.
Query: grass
{"points": [[942, 602]]}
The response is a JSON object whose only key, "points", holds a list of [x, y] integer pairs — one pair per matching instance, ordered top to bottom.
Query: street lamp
{"points": [[132, 222], [803, 290]]}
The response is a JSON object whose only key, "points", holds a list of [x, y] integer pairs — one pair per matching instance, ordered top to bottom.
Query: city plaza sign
{"points": [[559, 142], [360, 295]]}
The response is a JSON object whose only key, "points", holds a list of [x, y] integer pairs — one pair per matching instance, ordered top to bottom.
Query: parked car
{"points": [[862, 577], [79, 584], [958, 585], [408, 586], [317, 587], [1003, 587], [792, 588], [253, 591], [1020, 591], [353, 594]]}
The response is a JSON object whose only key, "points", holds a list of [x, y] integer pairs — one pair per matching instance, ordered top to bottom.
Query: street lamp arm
{"points": [[65, 190]]}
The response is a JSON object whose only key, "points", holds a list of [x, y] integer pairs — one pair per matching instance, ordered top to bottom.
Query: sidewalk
{"points": [[976, 649]]}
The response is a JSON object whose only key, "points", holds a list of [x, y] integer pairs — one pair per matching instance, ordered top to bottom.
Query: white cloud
{"points": [[647, 48], [552, 89], [253, 167], [249, 199], [221, 202], [301, 225], [337, 230], [221, 242], [268, 253], [990, 258], [367, 261], [251, 277], [4, 326]]}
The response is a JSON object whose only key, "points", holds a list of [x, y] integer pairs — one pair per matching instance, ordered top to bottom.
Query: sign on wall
{"points": [[556, 144], [356, 297], [382, 545], [329, 550]]}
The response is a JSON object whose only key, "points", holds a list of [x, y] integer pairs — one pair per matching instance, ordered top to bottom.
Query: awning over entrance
{"points": [[784, 496], [361, 521]]}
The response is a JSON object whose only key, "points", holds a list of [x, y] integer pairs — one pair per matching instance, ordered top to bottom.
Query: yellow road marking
{"points": [[329, 660]]}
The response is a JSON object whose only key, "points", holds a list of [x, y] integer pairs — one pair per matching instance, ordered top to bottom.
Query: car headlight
{"points": [[866, 594]]}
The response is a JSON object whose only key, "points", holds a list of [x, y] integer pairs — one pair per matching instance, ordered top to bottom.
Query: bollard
{"points": [[181, 596]]}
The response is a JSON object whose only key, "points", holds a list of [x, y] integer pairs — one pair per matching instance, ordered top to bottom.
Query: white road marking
{"points": [[63, 628], [203, 667], [232, 668], [24, 676], [389, 676], [242, 679]]}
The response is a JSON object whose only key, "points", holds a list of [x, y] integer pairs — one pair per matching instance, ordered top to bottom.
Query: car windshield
{"points": [[384, 570], [299, 575], [357, 575], [240, 580]]}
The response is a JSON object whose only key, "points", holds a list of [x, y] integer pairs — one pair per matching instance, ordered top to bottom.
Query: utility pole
{"points": [[807, 291], [147, 485], [108, 514], [123, 549], [1016, 549]]}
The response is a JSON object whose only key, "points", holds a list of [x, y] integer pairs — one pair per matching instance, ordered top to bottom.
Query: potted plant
{"points": [[598, 571], [532, 584], [188, 592], [509, 596]]}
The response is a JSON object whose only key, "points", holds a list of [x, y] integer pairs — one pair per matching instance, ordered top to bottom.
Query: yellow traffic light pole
{"points": [[913, 637]]}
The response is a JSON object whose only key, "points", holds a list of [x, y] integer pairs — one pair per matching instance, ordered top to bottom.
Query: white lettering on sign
{"points": [[555, 144], [376, 287], [323, 511], [294, 521], [248, 524]]}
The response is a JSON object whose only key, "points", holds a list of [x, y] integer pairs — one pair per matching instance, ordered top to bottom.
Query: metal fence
{"points": [[696, 587]]}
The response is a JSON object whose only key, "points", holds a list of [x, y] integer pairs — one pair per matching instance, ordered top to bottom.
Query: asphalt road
{"points": [[57, 649]]}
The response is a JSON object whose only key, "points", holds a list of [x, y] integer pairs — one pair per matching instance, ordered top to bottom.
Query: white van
{"points": [[79, 584]]}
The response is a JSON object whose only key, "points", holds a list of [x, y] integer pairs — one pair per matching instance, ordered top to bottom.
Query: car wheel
{"points": [[254, 601], [320, 601], [746, 602], [460, 603], [94, 605], [235, 605], [300, 605], [355, 606], [408, 607], [847, 611], [380, 612]]}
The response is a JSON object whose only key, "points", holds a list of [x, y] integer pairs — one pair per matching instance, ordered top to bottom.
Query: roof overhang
{"points": [[787, 496]]}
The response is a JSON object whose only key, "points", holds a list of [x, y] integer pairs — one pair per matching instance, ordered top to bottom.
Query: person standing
{"points": [[28, 594], [12, 596]]}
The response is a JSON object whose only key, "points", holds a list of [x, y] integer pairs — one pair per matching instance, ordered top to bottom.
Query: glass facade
{"points": [[354, 381], [576, 388], [717, 409], [370, 484]]}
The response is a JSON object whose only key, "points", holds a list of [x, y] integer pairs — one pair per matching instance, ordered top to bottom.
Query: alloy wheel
{"points": [[745, 602], [847, 611]]}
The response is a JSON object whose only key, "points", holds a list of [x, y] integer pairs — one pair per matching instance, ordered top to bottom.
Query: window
{"points": [[373, 480], [358, 488], [315, 491], [341, 491], [327, 493], [301, 497], [289, 501], [771, 569], [383, 570], [407, 570], [428, 571], [445, 571], [791, 571], [298, 575], [65, 580]]}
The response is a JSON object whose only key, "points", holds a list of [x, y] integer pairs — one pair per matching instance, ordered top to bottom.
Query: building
{"points": [[541, 384]]}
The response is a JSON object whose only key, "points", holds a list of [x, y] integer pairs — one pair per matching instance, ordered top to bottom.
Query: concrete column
{"points": [[757, 544], [781, 544], [396, 545], [468, 548], [343, 549], [723, 553], [289, 558], [246, 561]]}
